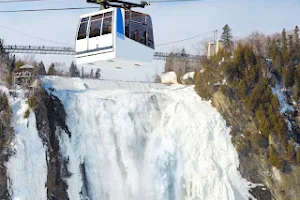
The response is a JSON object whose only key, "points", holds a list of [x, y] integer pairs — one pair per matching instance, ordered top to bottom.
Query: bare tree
{"points": [[258, 41], [201, 47], [30, 59]]}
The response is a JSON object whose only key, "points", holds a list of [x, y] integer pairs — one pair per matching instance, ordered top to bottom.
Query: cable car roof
{"points": [[118, 3]]}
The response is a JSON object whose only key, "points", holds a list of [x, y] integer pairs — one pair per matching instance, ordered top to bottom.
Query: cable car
{"points": [[115, 37]]}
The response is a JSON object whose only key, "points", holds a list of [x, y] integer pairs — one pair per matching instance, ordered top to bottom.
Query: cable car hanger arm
{"points": [[118, 3]]}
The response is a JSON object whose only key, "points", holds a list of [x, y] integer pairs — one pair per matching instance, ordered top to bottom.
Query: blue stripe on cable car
{"points": [[120, 24], [93, 50]]}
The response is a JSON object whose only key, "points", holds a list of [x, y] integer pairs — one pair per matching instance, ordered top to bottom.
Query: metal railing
{"points": [[39, 49], [71, 51]]}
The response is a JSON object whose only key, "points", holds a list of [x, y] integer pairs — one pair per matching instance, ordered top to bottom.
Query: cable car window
{"points": [[108, 14], [97, 17], [138, 17], [84, 19], [149, 21], [127, 22], [107, 23], [95, 26], [82, 31], [138, 32], [150, 38]]}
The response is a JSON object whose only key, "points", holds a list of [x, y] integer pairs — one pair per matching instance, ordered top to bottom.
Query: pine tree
{"points": [[227, 38], [297, 42], [291, 46], [268, 47], [1, 48], [284, 48], [273, 49], [183, 52], [278, 63], [12, 64], [19, 64], [41, 69], [52, 70], [74, 72], [92, 74], [97, 74], [287, 77], [296, 86]]}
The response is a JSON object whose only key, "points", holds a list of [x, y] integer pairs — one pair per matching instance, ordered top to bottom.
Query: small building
{"points": [[214, 48], [24, 75]]}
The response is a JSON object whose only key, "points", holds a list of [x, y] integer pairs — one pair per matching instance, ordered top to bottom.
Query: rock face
{"points": [[169, 78], [50, 116], [6, 134], [254, 167]]}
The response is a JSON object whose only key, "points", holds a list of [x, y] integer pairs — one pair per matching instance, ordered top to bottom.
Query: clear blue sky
{"points": [[172, 21]]}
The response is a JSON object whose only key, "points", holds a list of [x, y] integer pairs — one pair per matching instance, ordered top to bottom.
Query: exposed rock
{"points": [[169, 78], [188, 78], [50, 114], [6, 135], [253, 166]]}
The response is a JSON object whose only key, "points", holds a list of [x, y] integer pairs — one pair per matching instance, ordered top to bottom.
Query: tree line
{"points": [[13, 65], [251, 68]]}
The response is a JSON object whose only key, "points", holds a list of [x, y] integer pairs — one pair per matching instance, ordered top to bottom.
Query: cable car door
{"points": [[100, 36], [82, 40]]}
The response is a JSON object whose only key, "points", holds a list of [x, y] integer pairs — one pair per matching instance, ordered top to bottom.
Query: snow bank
{"points": [[188, 75], [169, 78], [284, 105], [156, 143], [27, 169]]}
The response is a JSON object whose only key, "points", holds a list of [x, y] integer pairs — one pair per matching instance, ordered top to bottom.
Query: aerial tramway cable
{"points": [[83, 8], [46, 9]]}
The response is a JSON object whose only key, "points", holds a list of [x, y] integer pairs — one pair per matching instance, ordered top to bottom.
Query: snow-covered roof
{"points": [[27, 67]]}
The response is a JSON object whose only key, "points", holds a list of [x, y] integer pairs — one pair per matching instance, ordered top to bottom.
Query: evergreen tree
{"points": [[227, 38], [297, 42], [291, 46], [268, 47], [284, 47], [1, 48], [273, 49], [183, 52], [12, 63], [278, 63], [19, 64], [41, 69], [52, 70], [74, 72], [92, 74], [97, 74], [288, 77], [296, 87]]}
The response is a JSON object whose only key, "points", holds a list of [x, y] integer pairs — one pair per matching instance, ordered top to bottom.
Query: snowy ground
{"points": [[284, 105], [145, 141], [27, 169]]}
